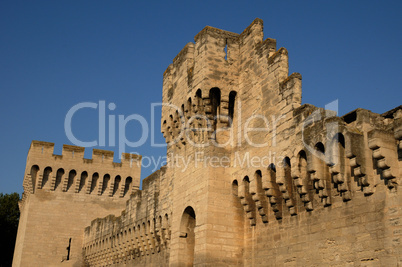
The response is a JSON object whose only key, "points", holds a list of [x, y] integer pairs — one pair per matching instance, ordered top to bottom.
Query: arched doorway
{"points": [[187, 237]]}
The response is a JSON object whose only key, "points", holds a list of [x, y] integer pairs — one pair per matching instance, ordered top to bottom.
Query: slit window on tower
{"points": [[226, 49], [215, 98], [232, 98], [198, 101], [182, 111], [320, 147], [34, 174], [46, 174], [84, 176], [59, 177], [71, 177], [95, 177], [105, 183], [116, 184], [127, 186], [235, 188], [69, 249]]}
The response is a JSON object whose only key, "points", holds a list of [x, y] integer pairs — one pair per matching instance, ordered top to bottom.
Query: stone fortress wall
{"points": [[326, 191], [62, 193]]}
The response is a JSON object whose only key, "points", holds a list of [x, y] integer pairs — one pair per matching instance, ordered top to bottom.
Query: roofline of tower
{"points": [[215, 31]]}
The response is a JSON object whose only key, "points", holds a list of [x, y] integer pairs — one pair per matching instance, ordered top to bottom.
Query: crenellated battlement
{"points": [[187, 72], [38, 148], [335, 159], [71, 172], [142, 229]]}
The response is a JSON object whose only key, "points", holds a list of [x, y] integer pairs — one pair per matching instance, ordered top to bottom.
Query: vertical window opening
{"points": [[226, 49], [215, 98], [232, 98], [320, 147], [34, 173], [46, 175], [59, 176], [84, 176], [71, 177], [95, 177], [105, 184], [116, 184], [127, 186], [235, 188], [187, 234], [69, 249]]}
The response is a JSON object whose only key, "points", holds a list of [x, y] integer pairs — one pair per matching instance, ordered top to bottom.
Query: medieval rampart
{"points": [[62, 193]]}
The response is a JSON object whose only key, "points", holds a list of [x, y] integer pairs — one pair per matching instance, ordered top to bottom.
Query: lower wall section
{"points": [[49, 219], [366, 231], [140, 236], [128, 257]]}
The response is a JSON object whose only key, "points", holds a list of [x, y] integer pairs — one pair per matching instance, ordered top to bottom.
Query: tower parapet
{"points": [[71, 172], [68, 188]]}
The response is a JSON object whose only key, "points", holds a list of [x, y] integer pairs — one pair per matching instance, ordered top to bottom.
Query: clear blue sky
{"points": [[55, 54]]}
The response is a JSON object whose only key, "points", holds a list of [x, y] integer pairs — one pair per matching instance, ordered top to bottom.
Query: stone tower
{"points": [[214, 86]]}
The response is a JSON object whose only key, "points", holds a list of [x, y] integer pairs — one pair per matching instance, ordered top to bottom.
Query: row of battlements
{"points": [[250, 30], [253, 33], [221, 59], [46, 149], [338, 157], [54, 167], [142, 208], [124, 239], [109, 240]]}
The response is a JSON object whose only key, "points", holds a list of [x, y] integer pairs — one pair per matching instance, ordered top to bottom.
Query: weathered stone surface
{"points": [[254, 178]]}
